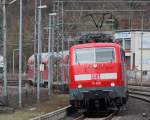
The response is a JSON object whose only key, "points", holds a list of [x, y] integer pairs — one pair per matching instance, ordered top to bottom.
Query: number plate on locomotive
{"points": [[95, 76]]}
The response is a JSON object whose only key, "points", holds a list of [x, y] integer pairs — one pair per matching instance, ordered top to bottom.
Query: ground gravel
{"points": [[134, 110]]}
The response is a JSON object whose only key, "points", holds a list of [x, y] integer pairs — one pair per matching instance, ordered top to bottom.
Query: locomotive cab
{"points": [[97, 75]]}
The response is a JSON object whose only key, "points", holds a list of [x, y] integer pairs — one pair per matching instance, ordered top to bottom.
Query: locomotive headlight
{"points": [[112, 84], [79, 86]]}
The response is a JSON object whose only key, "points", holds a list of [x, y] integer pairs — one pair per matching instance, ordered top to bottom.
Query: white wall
{"points": [[136, 48], [1, 61]]}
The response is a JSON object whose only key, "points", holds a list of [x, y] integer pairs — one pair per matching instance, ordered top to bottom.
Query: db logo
{"points": [[95, 76]]}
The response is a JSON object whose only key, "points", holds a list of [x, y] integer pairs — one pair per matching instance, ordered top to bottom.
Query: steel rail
{"points": [[14, 83], [144, 84], [139, 88], [140, 93], [144, 96], [140, 97], [55, 115], [81, 117], [109, 117]]}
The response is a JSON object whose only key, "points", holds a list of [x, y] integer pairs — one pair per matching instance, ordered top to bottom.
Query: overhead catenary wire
{"points": [[114, 1], [99, 10]]}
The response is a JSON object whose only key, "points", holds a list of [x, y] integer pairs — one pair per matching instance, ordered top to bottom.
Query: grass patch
{"points": [[56, 102]]}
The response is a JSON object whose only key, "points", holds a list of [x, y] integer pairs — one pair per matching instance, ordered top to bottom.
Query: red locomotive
{"points": [[97, 76]]}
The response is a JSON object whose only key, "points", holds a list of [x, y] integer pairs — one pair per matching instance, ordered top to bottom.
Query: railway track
{"points": [[12, 79], [13, 82], [138, 86], [141, 92], [145, 96], [59, 114], [64, 114], [106, 116]]}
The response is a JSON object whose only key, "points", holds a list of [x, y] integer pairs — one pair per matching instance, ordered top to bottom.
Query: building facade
{"points": [[137, 49]]}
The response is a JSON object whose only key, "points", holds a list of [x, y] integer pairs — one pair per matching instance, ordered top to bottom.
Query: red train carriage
{"points": [[60, 64], [30, 69], [97, 76]]}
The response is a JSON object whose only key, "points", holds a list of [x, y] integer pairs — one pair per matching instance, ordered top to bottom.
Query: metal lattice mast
{"points": [[58, 7], [1, 26], [56, 38], [62, 38], [35, 41], [4, 50], [39, 54]]}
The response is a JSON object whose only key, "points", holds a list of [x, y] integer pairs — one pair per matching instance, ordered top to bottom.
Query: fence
{"points": [[135, 75]]}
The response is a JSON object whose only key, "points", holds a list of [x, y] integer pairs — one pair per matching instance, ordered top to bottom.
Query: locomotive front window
{"points": [[85, 55], [93, 55], [104, 55]]}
